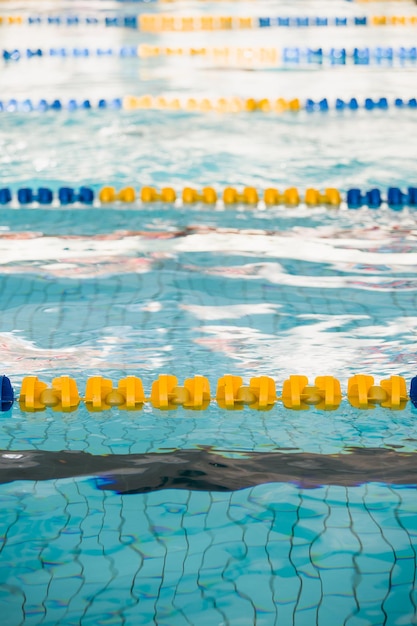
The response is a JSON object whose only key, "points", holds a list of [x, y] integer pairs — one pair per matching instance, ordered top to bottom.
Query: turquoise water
{"points": [[214, 517], [273, 554]]}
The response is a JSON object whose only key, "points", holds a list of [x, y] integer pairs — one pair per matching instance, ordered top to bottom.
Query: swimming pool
{"points": [[216, 516]]}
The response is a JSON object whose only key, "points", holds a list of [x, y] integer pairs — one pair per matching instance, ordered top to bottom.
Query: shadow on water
{"points": [[206, 470]]}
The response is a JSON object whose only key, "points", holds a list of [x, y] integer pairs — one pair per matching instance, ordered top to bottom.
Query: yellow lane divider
{"points": [[219, 105], [208, 195], [231, 393]]}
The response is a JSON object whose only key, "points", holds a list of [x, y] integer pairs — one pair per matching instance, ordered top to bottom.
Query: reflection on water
{"points": [[260, 300]]}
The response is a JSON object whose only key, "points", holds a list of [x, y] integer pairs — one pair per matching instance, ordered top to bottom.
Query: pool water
{"points": [[210, 517]]}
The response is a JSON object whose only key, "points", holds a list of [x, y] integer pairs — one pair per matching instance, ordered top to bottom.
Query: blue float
{"points": [[264, 22], [5, 195], [25, 195], [45, 195], [66, 195], [86, 195], [412, 196], [395, 197], [354, 198], [373, 198], [413, 391], [6, 394]]}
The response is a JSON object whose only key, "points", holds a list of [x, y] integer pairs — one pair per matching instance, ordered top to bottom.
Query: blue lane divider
{"points": [[121, 21], [303, 22], [17, 55], [340, 56], [353, 104], [27, 105], [309, 105], [45, 196], [354, 198], [395, 198]]}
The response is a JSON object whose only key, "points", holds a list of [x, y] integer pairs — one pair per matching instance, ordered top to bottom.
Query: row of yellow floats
{"points": [[156, 23], [267, 55], [232, 104], [230, 195], [231, 393]]}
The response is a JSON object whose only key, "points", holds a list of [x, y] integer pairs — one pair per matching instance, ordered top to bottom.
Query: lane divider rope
{"points": [[360, 1], [123, 21], [149, 22], [156, 23], [61, 52], [263, 55], [287, 55], [206, 105], [264, 105], [354, 198], [195, 393]]}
